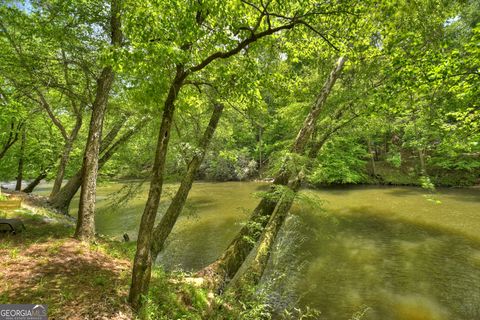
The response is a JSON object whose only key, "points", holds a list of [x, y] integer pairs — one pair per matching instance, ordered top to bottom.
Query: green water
{"points": [[387, 252]]}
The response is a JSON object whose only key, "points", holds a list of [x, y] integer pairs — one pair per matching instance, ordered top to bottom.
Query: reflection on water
{"points": [[390, 252], [397, 269]]}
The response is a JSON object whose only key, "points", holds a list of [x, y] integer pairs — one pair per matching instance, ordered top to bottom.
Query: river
{"points": [[387, 253]]}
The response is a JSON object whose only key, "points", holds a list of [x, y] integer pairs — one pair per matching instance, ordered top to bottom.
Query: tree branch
{"points": [[243, 44]]}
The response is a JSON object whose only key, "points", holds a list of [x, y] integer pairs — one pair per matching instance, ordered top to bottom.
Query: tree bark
{"points": [[309, 123], [67, 149], [371, 153], [21, 155], [421, 158], [32, 185], [61, 201], [165, 226], [85, 229], [143, 256], [221, 271], [253, 273]]}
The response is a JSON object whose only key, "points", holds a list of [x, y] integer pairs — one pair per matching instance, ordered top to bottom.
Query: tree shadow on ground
{"points": [[75, 280]]}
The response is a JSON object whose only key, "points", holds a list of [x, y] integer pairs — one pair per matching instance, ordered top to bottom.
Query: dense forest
{"points": [[294, 95]]}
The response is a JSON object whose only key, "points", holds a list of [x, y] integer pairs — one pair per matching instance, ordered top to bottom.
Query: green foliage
{"points": [[405, 110], [395, 159], [342, 161], [229, 165], [426, 183], [173, 299], [298, 313]]}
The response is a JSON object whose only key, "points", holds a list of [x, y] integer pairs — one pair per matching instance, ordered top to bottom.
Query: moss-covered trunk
{"points": [[221, 271], [252, 274]]}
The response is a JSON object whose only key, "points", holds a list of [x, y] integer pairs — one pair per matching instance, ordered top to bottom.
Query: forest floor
{"points": [[44, 265], [76, 280]]}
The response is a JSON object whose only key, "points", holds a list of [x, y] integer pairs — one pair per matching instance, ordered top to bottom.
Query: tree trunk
{"points": [[309, 123], [108, 139], [67, 150], [371, 154], [21, 155], [421, 157], [32, 185], [61, 201], [165, 226], [85, 229], [143, 257], [221, 271], [253, 273]]}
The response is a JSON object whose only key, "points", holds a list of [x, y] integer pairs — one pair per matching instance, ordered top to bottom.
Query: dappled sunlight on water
{"points": [[391, 253], [398, 269]]}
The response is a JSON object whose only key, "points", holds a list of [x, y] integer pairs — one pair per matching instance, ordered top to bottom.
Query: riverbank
{"points": [[363, 233], [44, 265], [77, 280]]}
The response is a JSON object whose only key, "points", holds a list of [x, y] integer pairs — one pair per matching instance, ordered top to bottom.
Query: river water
{"points": [[378, 253]]}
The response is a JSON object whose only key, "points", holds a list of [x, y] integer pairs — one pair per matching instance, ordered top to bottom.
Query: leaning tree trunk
{"points": [[67, 150], [21, 156], [35, 182], [61, 201], [165, 226], [85, 229], [143, 258], [221, 271], [253, 273]]}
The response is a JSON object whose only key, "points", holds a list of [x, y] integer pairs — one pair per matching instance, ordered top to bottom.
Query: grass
{"points": [[45, 265], [76, 280]]}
